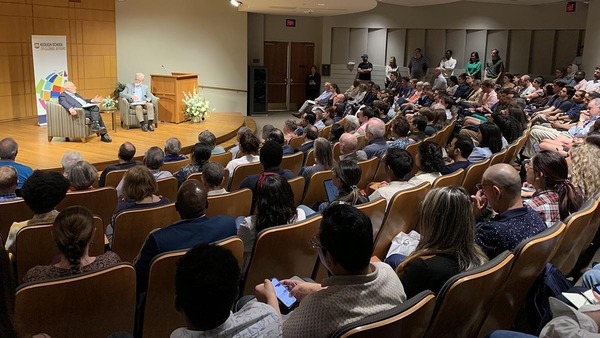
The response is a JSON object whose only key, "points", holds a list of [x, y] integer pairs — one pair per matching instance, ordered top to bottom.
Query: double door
{"points": [[288, 63]]}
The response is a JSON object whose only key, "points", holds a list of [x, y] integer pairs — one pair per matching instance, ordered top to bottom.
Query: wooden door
{"points": [[276, 56], [301, 60]]}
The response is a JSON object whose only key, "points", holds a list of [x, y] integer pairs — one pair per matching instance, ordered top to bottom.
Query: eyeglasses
{"points": [[527, 164], [480, 186], [315, 243]]}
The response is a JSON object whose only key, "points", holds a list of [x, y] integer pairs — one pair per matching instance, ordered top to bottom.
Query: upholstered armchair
{"points": [[128, 118], [62, 124]]}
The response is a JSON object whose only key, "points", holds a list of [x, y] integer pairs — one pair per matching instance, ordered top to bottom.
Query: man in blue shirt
{"points": [[321, 101], [8, 152], [8, 184]]}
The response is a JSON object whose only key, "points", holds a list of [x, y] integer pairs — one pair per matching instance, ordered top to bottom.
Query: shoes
{"points": [[297, 114], [150, 126], [96, 127], [144, 127], [105, 138]]}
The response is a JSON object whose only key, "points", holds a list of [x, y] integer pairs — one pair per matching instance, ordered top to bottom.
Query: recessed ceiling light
{"points": [[320, 4]]}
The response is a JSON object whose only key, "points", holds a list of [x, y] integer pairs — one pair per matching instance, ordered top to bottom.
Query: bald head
{"points": [[70, 87], [348, 143], [8, 149], [505, 177], [8, 179], [191, 199]]}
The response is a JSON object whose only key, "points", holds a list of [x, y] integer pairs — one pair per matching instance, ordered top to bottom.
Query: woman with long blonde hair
{"points": [[584, 168]]}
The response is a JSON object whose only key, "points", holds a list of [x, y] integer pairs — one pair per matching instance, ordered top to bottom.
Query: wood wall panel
{"points": [[91, 48]]}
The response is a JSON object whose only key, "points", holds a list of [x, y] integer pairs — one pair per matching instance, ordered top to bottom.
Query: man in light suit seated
{"points": [[139, 96]]}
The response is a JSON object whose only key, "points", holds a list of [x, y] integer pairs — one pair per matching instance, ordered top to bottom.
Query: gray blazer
{"points": [[129, 91]]}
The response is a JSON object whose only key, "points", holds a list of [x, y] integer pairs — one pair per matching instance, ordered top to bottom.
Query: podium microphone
{"points": [[163, 67]]}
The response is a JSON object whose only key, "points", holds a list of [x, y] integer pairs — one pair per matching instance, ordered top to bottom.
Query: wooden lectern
{"points": [[170, 89]]}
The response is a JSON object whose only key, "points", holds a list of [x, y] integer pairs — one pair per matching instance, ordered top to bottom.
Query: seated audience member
{"points": [[452, 85], [352, 91], [322, 100], [381, 110], [328, 115], [364, 115], [430, 116], [308, 119], [319, 124], [351, 124], [417, 128], [266, 130], [289, 130], [400, 130], [336, 132], [375, 134], [276, 135], [310, 135], [210, 139], [490, 142], [348, 144], [172, 150], [234, 150], [458, 151], [8, 153], [248, 153], [125, 155], [200, 155], [271, 155], [323, 159], [153, 160], [68, 161], [430, 161], [398, 164], [584, 168], [213, 174], [346, 175], [82, 176], [8, 184], [139, 188], [501, 188], [42, 192], [555, 196], [274, 206], [194, 228], [73, 231], [443, 251], [356, 288], [7, 294], [206, 303]]}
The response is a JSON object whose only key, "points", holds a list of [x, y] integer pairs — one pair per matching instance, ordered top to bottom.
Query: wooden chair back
{"points": [[326, 132], [444, 135], [296, 141], [362, 142], [412, 149], [336, 151], [498, 157], [222, 158], [309, 159], [293, 162], [173, 166], [368, 168], [241, 172], [380, 174], [473, 175], [198, 176], [114, 177], [449, 180], [297, 184], [167, 187], [315, 190], [101, 202], [237, 203], [13, 211], [376, 212], [402, 215], [131, 228], [592, 228], [35, 245], [283, 251], [531, 257], [467, 298], [92, 305], [160, 316], [407, 320]]}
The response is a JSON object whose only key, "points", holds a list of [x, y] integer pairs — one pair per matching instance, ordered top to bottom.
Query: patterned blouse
{"points": [[545, 202], [46, 272]]}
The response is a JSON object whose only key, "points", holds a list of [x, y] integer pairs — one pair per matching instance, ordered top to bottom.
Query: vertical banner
{"points": [[50, 69]]}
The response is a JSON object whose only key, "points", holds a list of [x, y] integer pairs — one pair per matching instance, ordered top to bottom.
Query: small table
{"points": [[112, 115]]}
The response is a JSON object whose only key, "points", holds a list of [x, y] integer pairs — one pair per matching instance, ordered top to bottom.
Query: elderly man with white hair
{"points": [[440, 82], [139, 96], [375, 134], [348, 144]]}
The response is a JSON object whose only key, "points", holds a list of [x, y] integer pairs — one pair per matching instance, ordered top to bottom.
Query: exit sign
{"points": [[571, 5], [290, 22]]}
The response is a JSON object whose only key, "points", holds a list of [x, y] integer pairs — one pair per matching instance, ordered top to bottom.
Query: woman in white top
{"points": [[391, 67], [248, 153]]}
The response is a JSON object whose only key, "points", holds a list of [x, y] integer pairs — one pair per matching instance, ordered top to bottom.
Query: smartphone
{"points": [[527, 189], [596, 288], [283, 294]]}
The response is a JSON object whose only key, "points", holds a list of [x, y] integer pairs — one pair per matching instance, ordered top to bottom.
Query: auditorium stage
{"points": [[36, 152]]}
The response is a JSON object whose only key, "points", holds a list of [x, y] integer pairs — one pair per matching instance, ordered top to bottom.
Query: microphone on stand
{"points": [[165, 69]]}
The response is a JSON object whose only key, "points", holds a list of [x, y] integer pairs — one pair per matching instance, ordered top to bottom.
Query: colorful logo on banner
{"points": [[50, 87]]}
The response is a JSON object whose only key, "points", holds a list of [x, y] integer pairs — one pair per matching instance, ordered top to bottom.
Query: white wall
{"points": [[209, 39]]}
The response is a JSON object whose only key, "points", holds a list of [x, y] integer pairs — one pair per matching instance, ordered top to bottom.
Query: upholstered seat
{"points": [[128, 118], [62, 124]]}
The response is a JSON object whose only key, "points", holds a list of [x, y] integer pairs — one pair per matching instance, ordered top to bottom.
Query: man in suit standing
{"points": [[138, 94], [70, 100]]}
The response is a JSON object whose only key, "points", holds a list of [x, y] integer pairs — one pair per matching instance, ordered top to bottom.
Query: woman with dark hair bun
{"points": [[490, 142], [430, 161], [346, 175], [555, 196], [73, 231]]}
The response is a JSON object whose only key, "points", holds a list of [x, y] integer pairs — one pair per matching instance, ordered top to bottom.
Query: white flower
{"points": [[195, 104]]}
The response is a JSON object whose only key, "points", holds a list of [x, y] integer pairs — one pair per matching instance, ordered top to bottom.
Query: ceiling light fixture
{"points": [[235, 3]]}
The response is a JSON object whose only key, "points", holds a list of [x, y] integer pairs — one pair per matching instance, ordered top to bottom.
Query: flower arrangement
{"points": [[109, 103], [196, 106]]}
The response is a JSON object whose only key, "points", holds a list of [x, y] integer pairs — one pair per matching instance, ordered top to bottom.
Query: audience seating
{"points": [[62, 124], [388, 130], [325, 132], [443, 136], [296, 141], [362, 142], [517, 146], [412, 150], [336, 151], [498, 157], [222, 158], [309, 159], [293, 162], [172, 167], [368, 167], [241, 172], [380, 174], [473, 175], [198, 176], [114, 177], [450, 180], [297, 184], [167, 187], [315, 190], [101, 202], [237, 203], [13, 211], [376, 212], [402, 215], [131, 228], [592, 228], [35, 245], [569, 248], [283, 251], [531, 257], [465, 299], [92, 305], [160, 315], [407, 320]]}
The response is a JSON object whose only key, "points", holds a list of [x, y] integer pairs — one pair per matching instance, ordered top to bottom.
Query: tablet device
{"points": [[331, 190]]}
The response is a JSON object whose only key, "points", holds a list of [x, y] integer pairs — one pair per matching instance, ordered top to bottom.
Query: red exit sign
{"points": [[571, 5], [290, 22]]}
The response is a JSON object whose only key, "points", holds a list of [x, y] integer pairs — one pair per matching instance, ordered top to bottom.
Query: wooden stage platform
{"points": [[36, 152]]}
